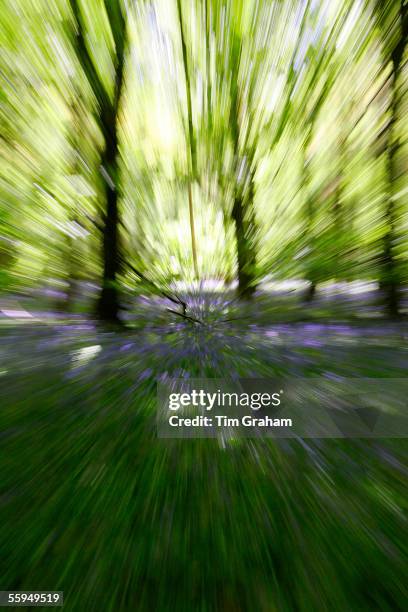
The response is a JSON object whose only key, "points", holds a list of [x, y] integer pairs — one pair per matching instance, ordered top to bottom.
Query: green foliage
{"points": [[302, 76]]}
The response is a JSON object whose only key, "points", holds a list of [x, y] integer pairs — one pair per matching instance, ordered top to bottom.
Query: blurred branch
{"points": [[84, 58], [175, 300], [184, 316]]}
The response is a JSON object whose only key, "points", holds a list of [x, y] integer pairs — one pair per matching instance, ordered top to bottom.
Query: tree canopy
{"points": [[254, 136]]}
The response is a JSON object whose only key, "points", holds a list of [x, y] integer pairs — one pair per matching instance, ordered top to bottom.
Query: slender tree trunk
{"points": [[208, 62], [192, 144], [243, 208], [338, 211], [310, 214], [244, 219], [192, 228], [339, 254], [72, 255], [390, 279]]}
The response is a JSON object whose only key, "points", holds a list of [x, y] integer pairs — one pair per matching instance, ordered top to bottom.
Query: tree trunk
{"points": [[107, 118], [192, 143], [310, 214], [243, 215], [73, 273], [390, 279], [311, 291], [108, 306]]}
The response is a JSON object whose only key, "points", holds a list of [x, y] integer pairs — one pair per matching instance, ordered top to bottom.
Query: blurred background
{"points": [[199, 188]]}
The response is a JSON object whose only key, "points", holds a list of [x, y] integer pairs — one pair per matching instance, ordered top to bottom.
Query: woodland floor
{"points": [[94, 504]]}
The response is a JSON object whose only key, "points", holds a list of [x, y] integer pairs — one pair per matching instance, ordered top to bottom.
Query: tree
{"points": [[395, 36], [108, 107], [192, 154], [243, 212]]}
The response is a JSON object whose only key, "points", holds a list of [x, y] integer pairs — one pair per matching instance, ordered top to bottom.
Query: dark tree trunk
{"points": [[107, 117], [243, 213], [243, 216], [245, 252], [390, 282], [310, 292], [108, 306]]}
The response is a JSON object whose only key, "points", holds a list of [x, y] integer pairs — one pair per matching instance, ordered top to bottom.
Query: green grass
{"points": [[94, 504]]}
